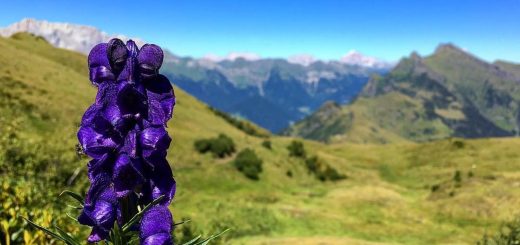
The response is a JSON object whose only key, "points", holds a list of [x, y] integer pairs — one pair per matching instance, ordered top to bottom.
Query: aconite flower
{"points": [[124, 134]]}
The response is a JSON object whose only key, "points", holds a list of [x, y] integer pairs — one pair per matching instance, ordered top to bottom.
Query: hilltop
{"points": [[450, 93]]}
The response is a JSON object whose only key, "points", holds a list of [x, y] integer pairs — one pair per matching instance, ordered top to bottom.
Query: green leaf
{"points": [[74, 195], [74, 207], [71, 217], [136, 217], [182, 222], [49, 232], [66, 236], [207, 240], [192, 241], [195, 241]]}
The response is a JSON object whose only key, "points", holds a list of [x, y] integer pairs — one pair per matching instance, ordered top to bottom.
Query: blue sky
{"points": [[327, 29]]}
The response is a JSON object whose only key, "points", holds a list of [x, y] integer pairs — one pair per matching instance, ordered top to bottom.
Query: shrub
{"points": [[246, 126], [267, 144], [458, 144], [220, 146], [296, 149], [248, 163], [312, 164], [322, 170], [289, 173], [330, 174], [470, 174], [457, 177], [435, 187], [509, 233]]}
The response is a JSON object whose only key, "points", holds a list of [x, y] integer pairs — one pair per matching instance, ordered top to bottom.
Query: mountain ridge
{"points": [[238, 83], [450, 93]]}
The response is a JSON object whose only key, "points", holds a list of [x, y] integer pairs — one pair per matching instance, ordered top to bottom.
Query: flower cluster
{"points": [[124, 134]]}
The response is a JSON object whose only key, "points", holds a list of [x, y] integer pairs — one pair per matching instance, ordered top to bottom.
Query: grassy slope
{"points": [[450, 93], [385, 200]]}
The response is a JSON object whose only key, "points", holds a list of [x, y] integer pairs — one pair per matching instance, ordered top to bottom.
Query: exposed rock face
{"points": [[63, 35]]}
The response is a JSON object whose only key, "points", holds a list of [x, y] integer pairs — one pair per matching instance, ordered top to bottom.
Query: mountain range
{"points": [[272, 93], [450, 93]]}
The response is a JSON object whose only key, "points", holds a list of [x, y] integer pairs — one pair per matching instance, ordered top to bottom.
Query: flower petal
{"points": [[117, 55], [150, 59], [99, 64], [128, 73], [161, 100], [130, 101], [154, 142], [95, 144], [102, 165], [127, 175], [161, 182], [157, 220], [97, 234], [158, 239]]}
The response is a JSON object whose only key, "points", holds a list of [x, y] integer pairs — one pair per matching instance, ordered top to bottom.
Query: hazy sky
{"points": [[327, 29]]}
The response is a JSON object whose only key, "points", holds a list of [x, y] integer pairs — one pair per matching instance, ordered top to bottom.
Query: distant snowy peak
{"points": [[64, 35], [232, 57], [354, 57], [302, 59]]}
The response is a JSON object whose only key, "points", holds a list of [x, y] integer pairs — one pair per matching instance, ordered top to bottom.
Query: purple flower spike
{"points": [[124, 134], [156, 226]]}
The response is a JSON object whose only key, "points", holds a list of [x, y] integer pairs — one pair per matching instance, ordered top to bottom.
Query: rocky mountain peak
{"points": [[79, 38], [449, 47]]}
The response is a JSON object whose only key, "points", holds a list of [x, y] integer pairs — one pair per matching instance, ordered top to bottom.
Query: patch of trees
{"points": [[245, 126], [267, 144], [220, 146], [248, 163], [315, 165]]}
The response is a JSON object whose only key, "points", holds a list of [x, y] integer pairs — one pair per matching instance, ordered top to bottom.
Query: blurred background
{"points": [[297, 122]]}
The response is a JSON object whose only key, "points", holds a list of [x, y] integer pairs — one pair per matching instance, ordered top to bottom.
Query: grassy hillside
{"points": [[448, 94], [403, 193]]}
